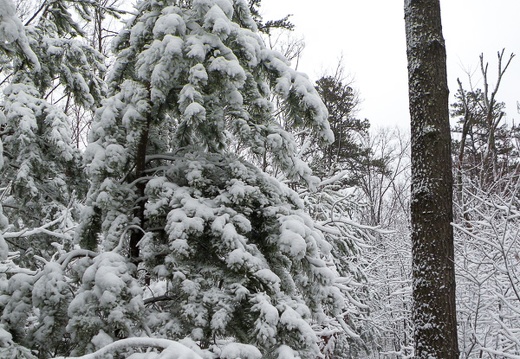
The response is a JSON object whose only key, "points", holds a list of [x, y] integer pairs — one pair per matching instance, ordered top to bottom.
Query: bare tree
{"points": [[289, 44], [480, 108], [384, 177], [384, 186], [488, 272], [434, 313]]}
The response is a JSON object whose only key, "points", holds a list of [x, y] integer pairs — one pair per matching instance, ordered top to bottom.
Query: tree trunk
{"points": [[140, 165], [434, 314]]}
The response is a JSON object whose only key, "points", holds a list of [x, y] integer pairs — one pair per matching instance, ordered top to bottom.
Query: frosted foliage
{"points": [[226, 6], [241, 8], [217, 22], [170, 23], [12, 32], [76, 65], [69, 66], [224, 73], [198, 75], [292, 83], [40, 84], [195, 110], [28, 113], [37, 136], [283, 148], [105, 153], [232, 227], [292, 237], [51, 295], [109, 300], [16, 303], [268, 318], [293, 321], [101, 340], [16, 351], [242, 351], [285, 352]]}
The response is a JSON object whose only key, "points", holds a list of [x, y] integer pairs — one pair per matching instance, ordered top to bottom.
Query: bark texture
{"points": [[432, 184]]}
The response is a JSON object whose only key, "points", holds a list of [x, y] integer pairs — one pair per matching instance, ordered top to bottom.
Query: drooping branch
{"points": [[39, 230], [175, 349]]}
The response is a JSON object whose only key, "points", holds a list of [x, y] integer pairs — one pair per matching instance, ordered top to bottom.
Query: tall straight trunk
{"points": [[434, 313]]}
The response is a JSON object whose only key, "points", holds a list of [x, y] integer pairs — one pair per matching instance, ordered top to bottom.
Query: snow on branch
{"points": [[12, 31], [334, 179], [26, 232], [65, 259], [347, 328], [173, 349]]}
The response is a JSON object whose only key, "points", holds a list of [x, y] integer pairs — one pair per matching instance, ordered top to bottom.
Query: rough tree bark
{"points": [[434, 314]]}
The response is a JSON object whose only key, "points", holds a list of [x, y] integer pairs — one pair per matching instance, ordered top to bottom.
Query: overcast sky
{"points": [[370, 36]]}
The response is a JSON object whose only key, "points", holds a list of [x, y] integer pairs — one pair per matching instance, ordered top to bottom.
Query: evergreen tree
{"points": [[267, 26], [44, 64], [347, 150], [42, 168], [228, 253]]}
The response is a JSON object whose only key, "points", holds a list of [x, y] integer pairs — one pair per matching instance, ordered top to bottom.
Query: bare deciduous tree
{"points": [[480, 108], [487, 248]]}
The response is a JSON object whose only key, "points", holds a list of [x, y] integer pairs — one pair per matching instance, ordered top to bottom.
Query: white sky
{"points": [[370, 36]]}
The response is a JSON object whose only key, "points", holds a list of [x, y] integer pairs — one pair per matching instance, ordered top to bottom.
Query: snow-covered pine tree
{"points": [[14, 42], [45, 69], [42, 168], [227, 252]]}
